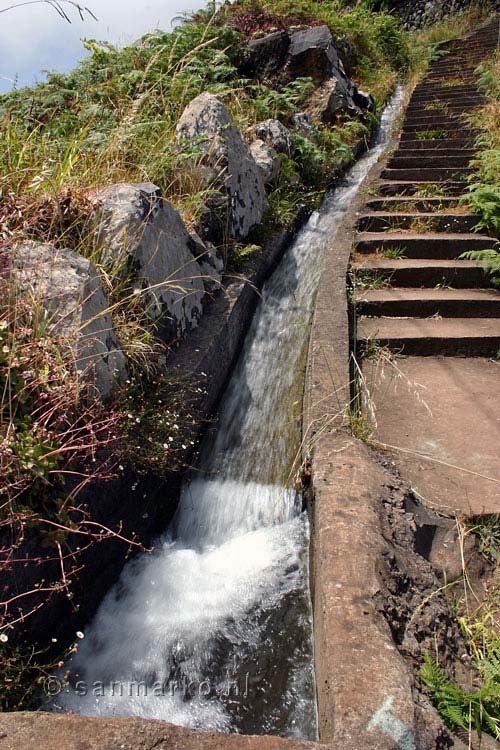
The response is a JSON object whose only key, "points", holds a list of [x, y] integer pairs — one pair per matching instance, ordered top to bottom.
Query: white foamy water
{"points": [[213, 630]]}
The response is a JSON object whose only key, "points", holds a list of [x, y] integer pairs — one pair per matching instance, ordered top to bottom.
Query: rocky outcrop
{"points": [[308, 52], [313, 53], [266, 56], [207, 123], [302, 124], [275, 134], [267, 160], [139, 233], [210, 261], [68, 288]]}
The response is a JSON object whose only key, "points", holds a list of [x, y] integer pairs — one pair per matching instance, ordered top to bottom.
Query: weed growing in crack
{"points": [[438, 134]]}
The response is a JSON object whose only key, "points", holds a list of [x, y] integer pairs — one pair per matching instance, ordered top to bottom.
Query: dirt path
{"points": [[439, 405]]}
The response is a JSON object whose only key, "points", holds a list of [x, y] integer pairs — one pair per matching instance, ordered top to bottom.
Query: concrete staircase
{"points": [[418, 297]]}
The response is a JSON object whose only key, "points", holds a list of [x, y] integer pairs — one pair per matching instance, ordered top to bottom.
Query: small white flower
{"points": [[170, 440], [79, 634], [4, 638], [54, 640]]}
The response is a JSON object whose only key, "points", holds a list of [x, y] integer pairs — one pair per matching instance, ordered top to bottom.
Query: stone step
{"points": [[449, 67], [458, 69], [454, 73], [466, 77], [426, 90], [454, 94], [436, 104], [453, 111], [415, 113], [433, 122], [427, 125], [411, 134], [448, 145], [434, 153], [405, 161], [427, 174], [423, 188], [416, 205], [445, 222], [431, 245], [404, 272], [424, 303], [432, 336]]}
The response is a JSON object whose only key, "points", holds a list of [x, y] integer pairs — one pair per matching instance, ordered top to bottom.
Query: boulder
{"points": [[312, 53], [347, 53], [266, 56], [333, 97], [207, 123], [302, 123], [275, 134], [267, 161], [212, 221], [138, 232], [210, 261], [68, 287]]}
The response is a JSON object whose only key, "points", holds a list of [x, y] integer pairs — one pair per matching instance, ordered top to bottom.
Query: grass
{"points": [[451, 83], [437, 134], [429, 190], [483, 195], [393, 253], [477, 708]]}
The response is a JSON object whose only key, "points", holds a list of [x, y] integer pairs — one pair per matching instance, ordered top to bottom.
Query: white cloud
{"points": [[34, 38]]}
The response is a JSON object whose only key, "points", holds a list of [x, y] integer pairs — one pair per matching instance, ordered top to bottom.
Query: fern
{"points": [[491, 259], [461, 709]]}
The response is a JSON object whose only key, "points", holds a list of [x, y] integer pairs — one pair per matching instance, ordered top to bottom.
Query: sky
{"points": [[34, 38]]}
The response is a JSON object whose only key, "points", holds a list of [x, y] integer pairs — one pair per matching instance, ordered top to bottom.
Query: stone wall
{"points": [[422, 13]]}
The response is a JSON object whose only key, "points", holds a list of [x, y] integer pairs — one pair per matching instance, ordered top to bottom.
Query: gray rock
{"points": [[313, 54], [347, 54], [266, 56], [207, 122], [302, 123], [275, 134], [267, 161], [212, 221], [137, 229], [210, 261], [68, 287]]}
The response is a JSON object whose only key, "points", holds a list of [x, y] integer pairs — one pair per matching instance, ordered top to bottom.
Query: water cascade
{"points": [[213, 629]]}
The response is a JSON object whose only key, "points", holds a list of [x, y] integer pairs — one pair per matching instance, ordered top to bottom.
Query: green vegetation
{"points": [[113, 118], [438, 134], [484, 189], [393, 253], [487, 529], [476, 708], [466, 710]]}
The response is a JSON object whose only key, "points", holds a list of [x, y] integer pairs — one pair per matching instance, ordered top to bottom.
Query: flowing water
{"points": [[213, 629]]}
